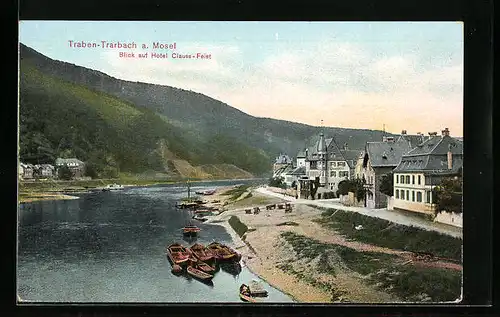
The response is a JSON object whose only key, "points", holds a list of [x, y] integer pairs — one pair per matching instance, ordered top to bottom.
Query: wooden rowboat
{"points": [[190, 230], [201, 252], [221, 252], [224, 252], [178, 254], [202, 266], [199, 274], [245, 294]]}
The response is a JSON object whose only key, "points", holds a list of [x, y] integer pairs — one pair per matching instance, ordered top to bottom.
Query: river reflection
{"points": [[109, 247]]}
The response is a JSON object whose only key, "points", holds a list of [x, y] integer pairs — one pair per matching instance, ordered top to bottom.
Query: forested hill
{"points": [[205, 117], [62, 119]]}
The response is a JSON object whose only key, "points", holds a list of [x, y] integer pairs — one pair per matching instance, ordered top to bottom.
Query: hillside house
{"points": [[280, 163], [328, 163], [76, 166], [423, 168], [25, 171], [43, 171]]}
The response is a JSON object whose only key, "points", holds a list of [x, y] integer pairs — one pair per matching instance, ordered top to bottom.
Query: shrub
{"points": [[239, 227]]}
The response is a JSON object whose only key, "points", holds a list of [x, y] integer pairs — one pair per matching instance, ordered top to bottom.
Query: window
{"points": [[333, 164], [341, 164], [313, 165], [333, 173], [343, 174], [397, 179], [402, 179], [407, 179], [413, 179], [419, 179], [331, 186], [397, 193], [407, 195], [413, 195], [419, 196], [428, 197]]}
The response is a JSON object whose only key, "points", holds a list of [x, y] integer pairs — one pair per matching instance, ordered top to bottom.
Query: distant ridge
{"points": [[201, 130]]}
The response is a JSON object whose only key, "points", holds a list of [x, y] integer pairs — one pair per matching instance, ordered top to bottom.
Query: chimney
{"points": [[403, 132], [445, 132], [432, 133], [450, 158]]}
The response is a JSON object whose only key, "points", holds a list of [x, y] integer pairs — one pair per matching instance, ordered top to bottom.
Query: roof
{"points": [[413, 140], [321, 144], [438, 145], [301, 154], [386, 154], [432, 156], [283, 159], [64, 161], [299, 171]]}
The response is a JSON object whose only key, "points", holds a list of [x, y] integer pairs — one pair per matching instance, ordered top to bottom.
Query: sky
{"points": [[365, 75]]}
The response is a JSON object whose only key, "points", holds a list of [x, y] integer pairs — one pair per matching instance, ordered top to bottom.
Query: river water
{"points": [[110, 247]]}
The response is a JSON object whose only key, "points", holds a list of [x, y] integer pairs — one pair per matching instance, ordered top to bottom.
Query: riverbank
{"points": [[58, 190], [31, 197], [301, 256]]}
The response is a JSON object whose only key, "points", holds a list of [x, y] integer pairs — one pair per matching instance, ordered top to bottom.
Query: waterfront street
{"points": [[383, 213]]}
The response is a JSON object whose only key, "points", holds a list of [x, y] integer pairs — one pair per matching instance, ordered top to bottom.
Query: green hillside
{"points": [[62, 119], [203, 119]]}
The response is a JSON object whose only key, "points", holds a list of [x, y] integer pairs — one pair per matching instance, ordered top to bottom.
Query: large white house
{"points": [[423, 168]]}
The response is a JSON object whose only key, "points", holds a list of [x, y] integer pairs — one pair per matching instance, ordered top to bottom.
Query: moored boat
{"points": [[111, 187], [200, 218], [190, 230], [201, 252], [224, 252], [178, 254], [205, 267], [199, 274], [256, 289], [245, 294]]}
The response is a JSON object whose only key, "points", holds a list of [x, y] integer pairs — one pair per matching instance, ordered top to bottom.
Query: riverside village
{"points": [[284, 162], [331, 225]]}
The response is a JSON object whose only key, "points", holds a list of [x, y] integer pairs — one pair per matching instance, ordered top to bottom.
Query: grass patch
{"points": [[236, 192], [238, 226], [390, 235], [409, 283]]}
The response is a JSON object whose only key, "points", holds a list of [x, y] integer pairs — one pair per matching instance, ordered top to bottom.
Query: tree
{"points": [[91, 170], [65, 173], [277, 182], [387, 184], [313, 187], [344, 187], [448, 195]]}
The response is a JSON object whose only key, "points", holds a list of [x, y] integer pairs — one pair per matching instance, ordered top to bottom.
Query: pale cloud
{"points": [[341, 83]]}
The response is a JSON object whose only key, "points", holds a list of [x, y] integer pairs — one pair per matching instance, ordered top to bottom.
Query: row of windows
{"points": [[337, 164], [340, 173], [407, 179], [405, 195]]}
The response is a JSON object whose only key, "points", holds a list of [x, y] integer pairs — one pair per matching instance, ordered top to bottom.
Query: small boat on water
{"points": [[111, 187], [185, 205], [200, 218], [190, 230], [201, 252], [223, 252], [178, 254], [205, 267], [199, 274], [256, 289], [245, 294]]}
